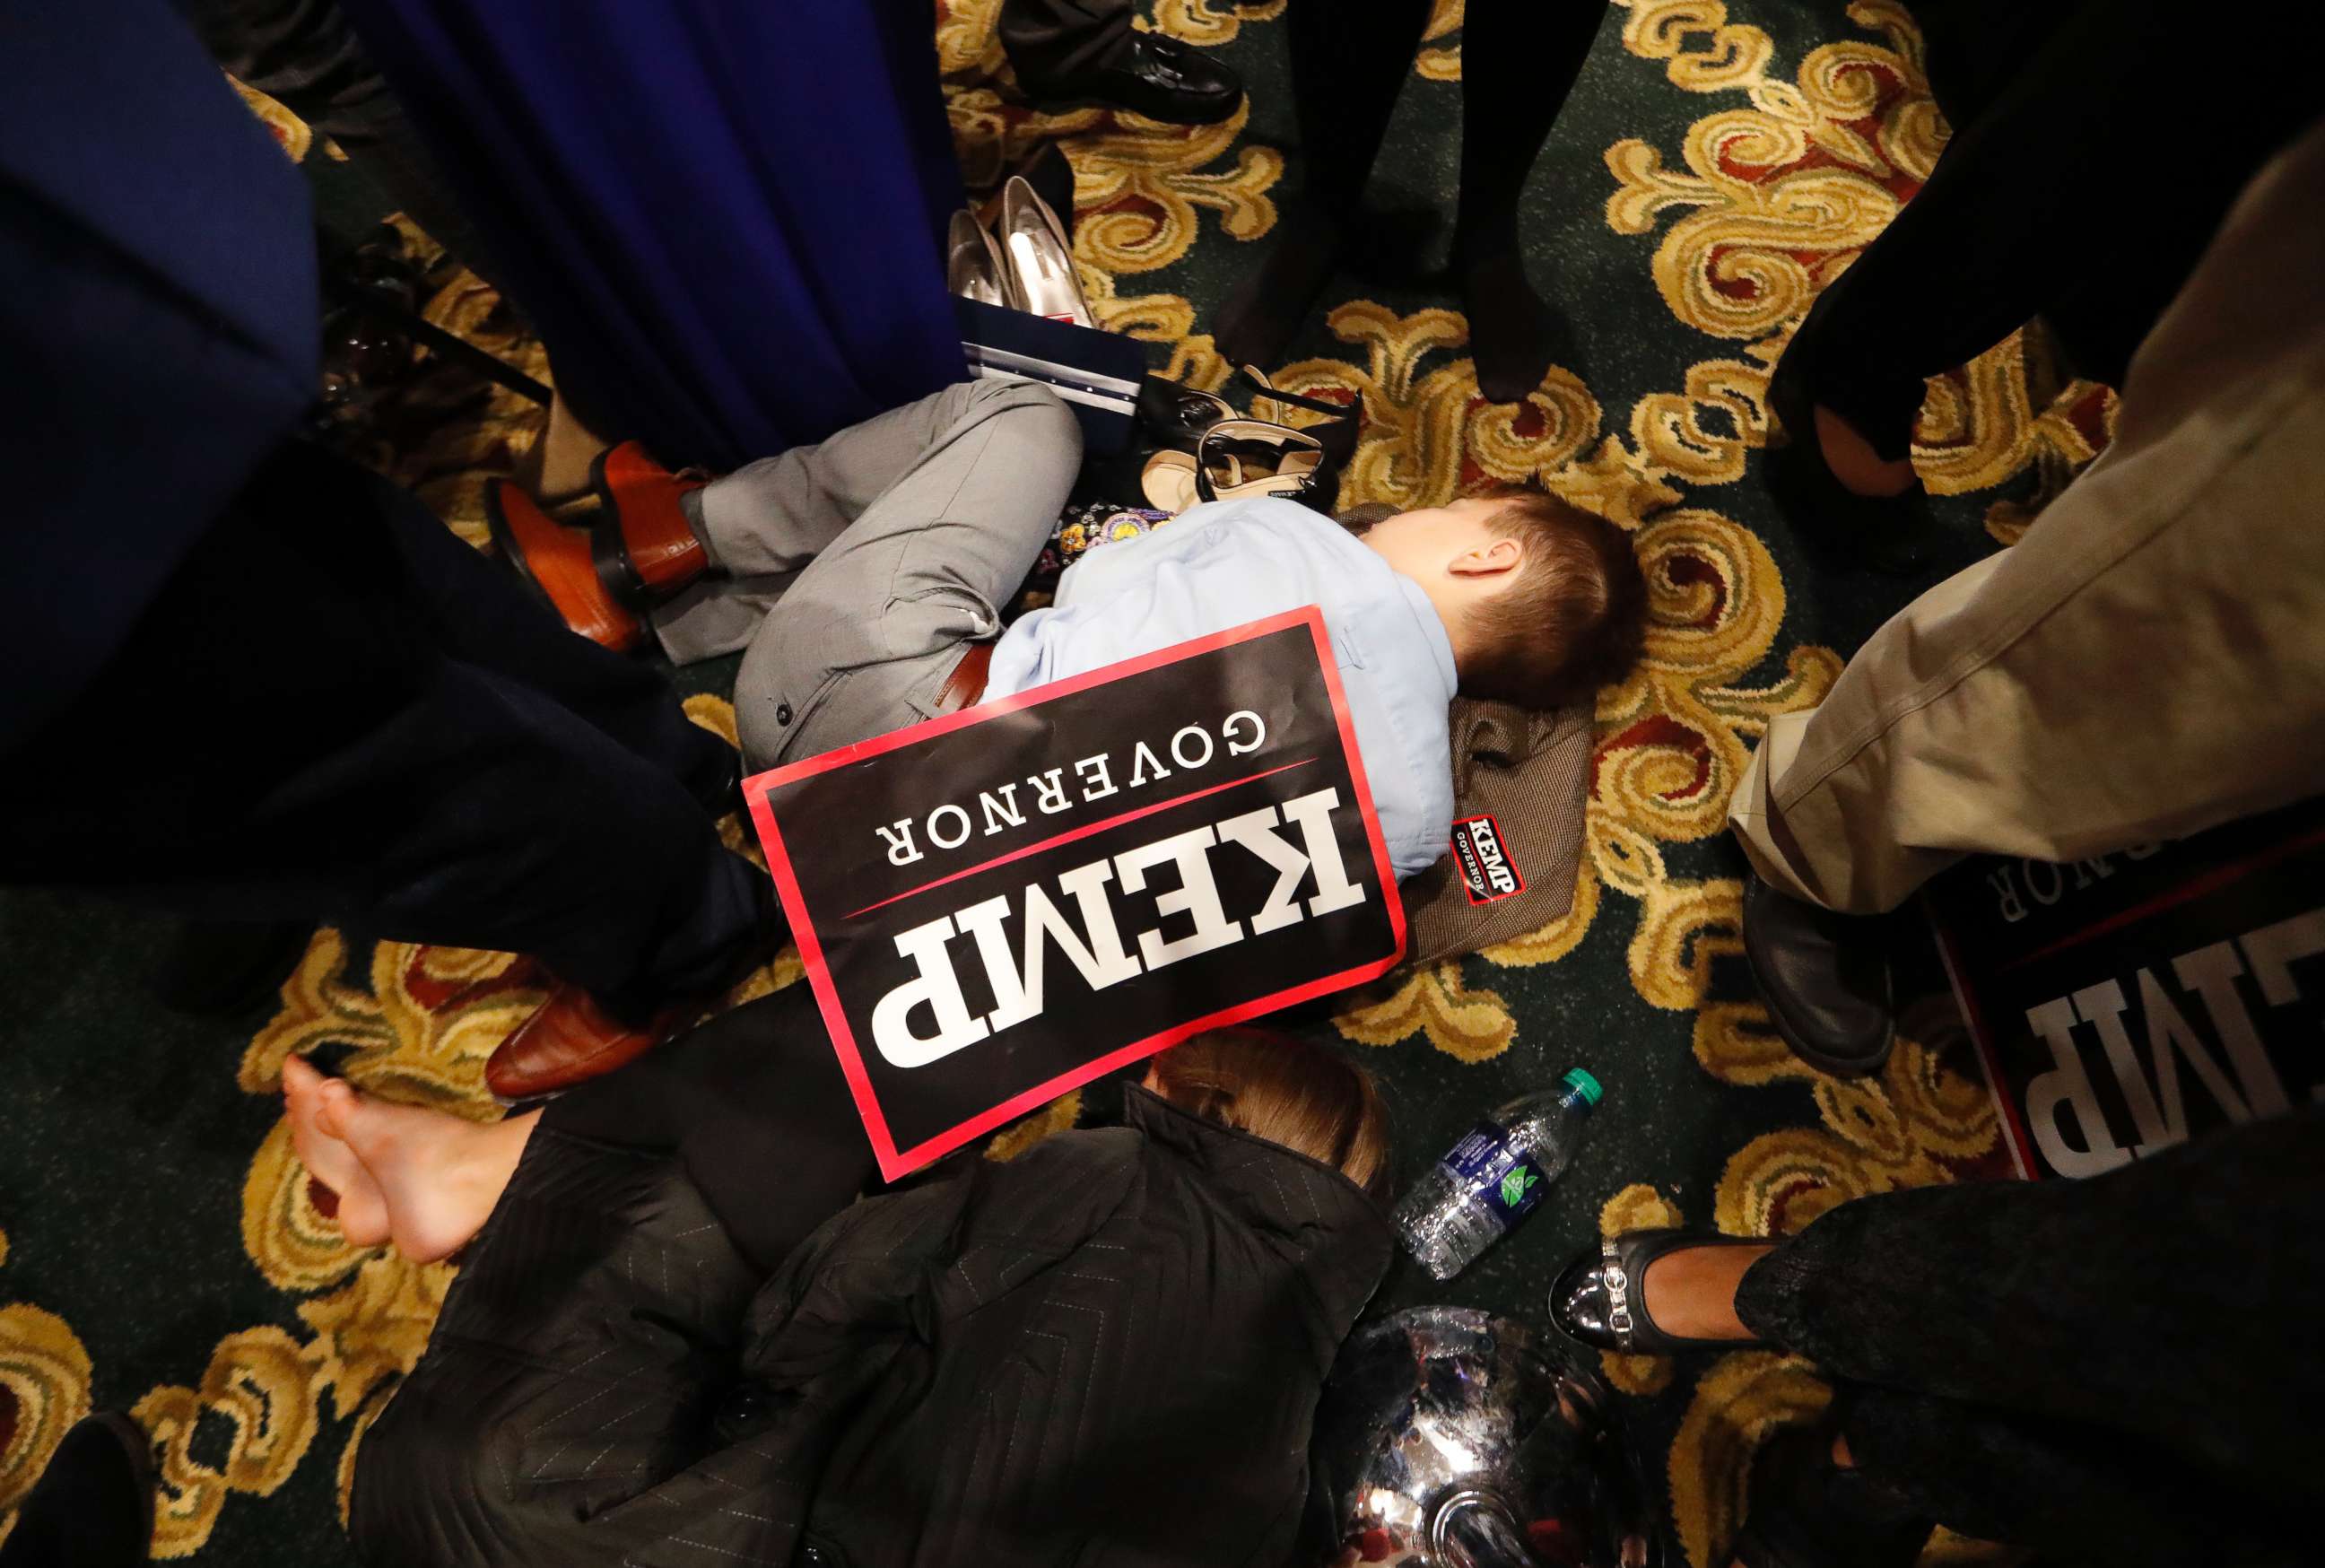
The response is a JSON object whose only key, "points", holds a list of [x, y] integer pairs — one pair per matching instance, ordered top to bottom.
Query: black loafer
{"points": [[1157, 77], [1825, 978], [1600, 1298]]}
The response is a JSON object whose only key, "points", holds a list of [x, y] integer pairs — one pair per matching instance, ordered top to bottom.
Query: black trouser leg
{"points": [[1045, 38], [1972, 49], [304, 54], [1349, 60], [1519, 61], [2073, 192], [1998, 229], [475, 617], [294, 728], [753, 1104], [2158, 1316], [2083, 1493]]}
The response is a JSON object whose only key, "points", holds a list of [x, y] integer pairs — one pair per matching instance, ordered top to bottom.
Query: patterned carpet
{"points": [[1716, 164]]}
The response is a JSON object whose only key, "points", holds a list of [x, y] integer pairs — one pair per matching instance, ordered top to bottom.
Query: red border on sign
{"points": [[1489, 818], [1074, 835], [1997, 1085], [894, 1162]]}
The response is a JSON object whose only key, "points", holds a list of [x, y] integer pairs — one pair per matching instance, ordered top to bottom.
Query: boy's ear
{"points": [[1488, 560]]}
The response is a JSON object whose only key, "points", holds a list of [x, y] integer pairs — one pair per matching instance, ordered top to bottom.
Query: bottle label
{"points": [[1507, 1182]]}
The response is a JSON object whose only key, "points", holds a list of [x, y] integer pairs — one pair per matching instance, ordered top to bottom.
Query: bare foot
{"points": [[1860, 470], [440, 1176], [363, 1211], [1692, 1292]]}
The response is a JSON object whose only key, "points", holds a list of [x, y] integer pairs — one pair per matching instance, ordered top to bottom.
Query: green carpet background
{"points": [[160, 1254]]}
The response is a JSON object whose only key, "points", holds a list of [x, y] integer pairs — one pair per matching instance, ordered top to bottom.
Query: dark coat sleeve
{"points": [[158, 324], [1113, 1362], [578, 1363], [572, 1406]]}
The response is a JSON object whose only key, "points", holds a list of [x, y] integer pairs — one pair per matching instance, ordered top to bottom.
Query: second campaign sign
{"points": [[1000, 904]]}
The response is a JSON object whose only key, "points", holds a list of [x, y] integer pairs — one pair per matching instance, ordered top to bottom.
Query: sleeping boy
{"points": [[892, 547], [863, 580]]}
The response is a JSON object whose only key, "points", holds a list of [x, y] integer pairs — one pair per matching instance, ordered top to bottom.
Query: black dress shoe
{"points": [[1160, 78], [1825, 978], [1600, 1297], [93, 1507], [1807, 1512]]}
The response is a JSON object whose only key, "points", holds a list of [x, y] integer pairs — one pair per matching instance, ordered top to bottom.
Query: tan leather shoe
{"points": [[646, 549], [555, 561], [571, 1040]]}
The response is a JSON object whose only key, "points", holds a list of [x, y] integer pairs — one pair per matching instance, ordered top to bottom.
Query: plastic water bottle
{"points": [[1493, 1177]]}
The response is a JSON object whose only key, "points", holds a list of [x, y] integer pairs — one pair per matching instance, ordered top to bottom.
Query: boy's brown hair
{"points": [[1576, 616], [1287, 1090]]}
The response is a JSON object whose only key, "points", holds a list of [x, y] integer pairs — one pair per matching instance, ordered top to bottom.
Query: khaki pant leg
{"points": [[2148, 662]]}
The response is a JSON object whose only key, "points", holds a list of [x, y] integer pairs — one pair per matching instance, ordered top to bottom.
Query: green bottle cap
{"points": [[1583, 1084]]}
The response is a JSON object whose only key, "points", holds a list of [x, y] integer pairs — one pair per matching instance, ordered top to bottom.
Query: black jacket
{"points": [[159, 326], [1106, 1352]]}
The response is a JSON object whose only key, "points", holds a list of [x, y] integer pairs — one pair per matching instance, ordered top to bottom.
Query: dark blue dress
{"points": [[725, 218]]}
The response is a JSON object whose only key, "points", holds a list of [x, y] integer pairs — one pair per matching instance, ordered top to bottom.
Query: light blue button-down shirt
{"points": [[1228, 562]]}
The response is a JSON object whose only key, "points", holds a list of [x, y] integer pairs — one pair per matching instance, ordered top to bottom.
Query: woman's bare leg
{"points": [[439, 1176], [363, 1211]]}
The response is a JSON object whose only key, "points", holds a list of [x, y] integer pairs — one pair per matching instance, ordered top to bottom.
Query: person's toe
{"points": [[300, 1076], [336, 1107]]}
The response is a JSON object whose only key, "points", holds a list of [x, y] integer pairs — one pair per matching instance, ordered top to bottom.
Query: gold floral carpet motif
{"points": [[1703, 250]]}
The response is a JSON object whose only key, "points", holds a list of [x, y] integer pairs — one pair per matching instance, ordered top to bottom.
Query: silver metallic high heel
{"points": [[974, 269], [1040, 275]]}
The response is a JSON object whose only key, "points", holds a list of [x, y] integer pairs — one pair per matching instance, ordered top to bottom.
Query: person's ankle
{"points": [[1263, 313], [1515, 336], [1861, 470], [1689, 1292]]}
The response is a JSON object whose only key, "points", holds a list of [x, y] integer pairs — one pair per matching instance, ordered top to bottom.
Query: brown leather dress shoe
{"points": [[644, 549], [555, 561], [571, 1040]]}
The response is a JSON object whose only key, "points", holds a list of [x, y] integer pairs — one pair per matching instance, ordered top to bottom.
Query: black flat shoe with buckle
{"points": [[1600, 1298]]}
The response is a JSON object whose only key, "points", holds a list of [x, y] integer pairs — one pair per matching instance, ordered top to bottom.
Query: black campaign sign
{"points": [[997, 905], [2128, 1002]]}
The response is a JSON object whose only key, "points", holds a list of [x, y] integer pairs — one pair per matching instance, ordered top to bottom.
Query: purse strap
{"points": [[1255, 378]]}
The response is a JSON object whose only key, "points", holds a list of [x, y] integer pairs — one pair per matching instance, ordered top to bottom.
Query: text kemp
{"points": [[1492, 860], [1091, 940], [2062, 1109]]}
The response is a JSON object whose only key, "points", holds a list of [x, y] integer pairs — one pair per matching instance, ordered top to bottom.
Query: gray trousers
{"points": [[854, 573]]}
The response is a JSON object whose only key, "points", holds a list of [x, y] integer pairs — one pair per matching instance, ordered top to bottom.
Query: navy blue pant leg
{"points": [[335, 709]]}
